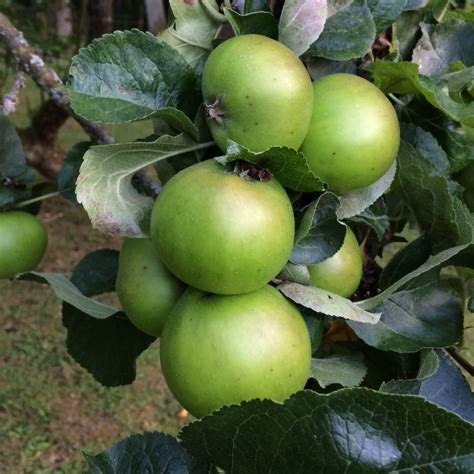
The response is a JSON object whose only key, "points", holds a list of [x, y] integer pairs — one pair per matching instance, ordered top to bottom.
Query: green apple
{"points": [[257, 93], [354, 133], [222, 232], [23, 241], [341, 273], [146, 289], [219, 350]]}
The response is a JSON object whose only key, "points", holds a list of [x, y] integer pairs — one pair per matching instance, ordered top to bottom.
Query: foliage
{"points": [[387, 418]]}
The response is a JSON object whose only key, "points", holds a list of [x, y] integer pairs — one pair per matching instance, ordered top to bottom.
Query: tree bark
{"points": [[100, 14]]}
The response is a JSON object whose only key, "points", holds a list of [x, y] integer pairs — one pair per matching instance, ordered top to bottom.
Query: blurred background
{"points": [[51, 410]]}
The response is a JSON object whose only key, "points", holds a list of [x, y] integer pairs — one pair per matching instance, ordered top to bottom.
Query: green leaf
{"points": [[385, 12], [262, 23], [301, 23], [196, 24], [349, 31], [405, 33], [442, 45], [320, 67], [128, 76], [403, 78], [460, 84], [450, 135], [428, 146], [12, 159], [288, 166], [69, 171], [104, 186], [10, 195], [357, 201], [443, 216], [376, 217], [320, 234], [446, 257], [406, 260], [96, 272], [295, 274], [67, 291], [322, 301], [428, 316], [315, 325], [107, 348], [347, 370], [440, 381], [351, 430], [146, 453]]}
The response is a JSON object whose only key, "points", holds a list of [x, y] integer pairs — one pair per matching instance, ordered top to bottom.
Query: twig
{"points": [[46, 78], [10, 99], [464, 363]]}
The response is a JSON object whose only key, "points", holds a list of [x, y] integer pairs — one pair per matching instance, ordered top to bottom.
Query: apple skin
{"points": [[257, 93], [354, 133], [220, 232], [23, 241], [341, 273], [146, 289], [219, 350]]}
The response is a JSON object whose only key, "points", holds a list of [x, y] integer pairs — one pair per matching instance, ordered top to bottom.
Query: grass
{"points": [[52, 409]]}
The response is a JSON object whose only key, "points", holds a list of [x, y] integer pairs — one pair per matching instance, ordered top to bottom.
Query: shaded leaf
{"points": [[319, 67], [12, 159], [70, 170], [376, 217], [320, 234], [446, 257], [406, 260], [429, 316], [107, 348], [440, 381], [349, 430], [146, 453]]}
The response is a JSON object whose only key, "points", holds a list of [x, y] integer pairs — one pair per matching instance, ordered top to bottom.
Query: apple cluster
{"points": [[221, 233]]}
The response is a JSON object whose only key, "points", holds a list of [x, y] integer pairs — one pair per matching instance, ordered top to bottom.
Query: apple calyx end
{"points": [[214, 111]]}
